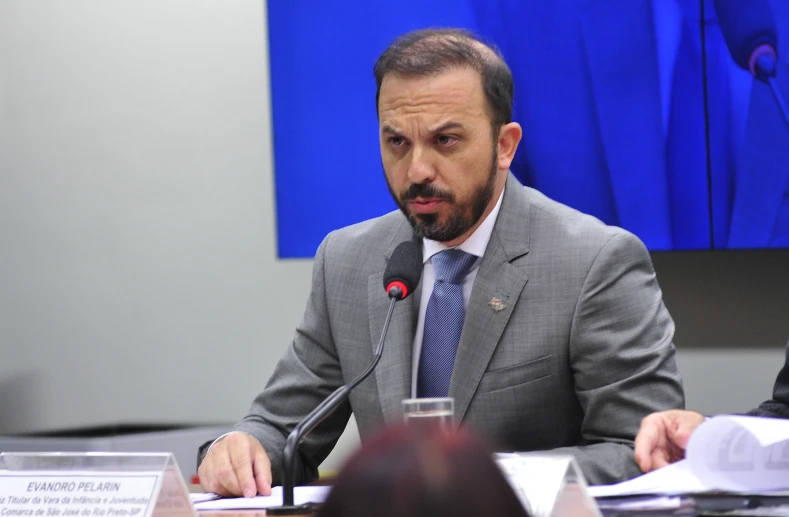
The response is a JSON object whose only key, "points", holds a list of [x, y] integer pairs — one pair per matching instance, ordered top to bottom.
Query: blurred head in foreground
{"points": [[414, 472]]}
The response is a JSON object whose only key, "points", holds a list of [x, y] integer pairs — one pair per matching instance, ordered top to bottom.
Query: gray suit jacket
{"points": [[581, 353]]}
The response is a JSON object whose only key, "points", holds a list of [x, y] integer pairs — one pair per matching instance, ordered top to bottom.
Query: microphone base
{"points": [[302, 509]]}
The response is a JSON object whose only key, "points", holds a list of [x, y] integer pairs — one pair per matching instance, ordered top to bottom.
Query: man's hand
{"points": [[663, 437], [236, 465]]}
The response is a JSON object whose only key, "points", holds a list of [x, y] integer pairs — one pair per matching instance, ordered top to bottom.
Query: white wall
{"points": [[138, 271], [139, 274], [726, 381]]}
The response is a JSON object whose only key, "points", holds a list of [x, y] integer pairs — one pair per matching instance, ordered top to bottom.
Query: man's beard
{"points": [[461, 217]]}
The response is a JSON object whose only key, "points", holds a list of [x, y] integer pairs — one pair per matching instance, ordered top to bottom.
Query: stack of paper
{"points": [[736, 454], [301, 495], [199, 497]]}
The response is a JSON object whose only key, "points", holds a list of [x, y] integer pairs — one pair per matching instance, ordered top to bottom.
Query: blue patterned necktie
{"points": [[444, 319]]}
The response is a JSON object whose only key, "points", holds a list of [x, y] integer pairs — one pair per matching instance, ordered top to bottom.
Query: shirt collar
{"points": [[476, 243]]}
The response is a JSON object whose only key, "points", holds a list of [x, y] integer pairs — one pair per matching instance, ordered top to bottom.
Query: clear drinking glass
{"points": [[429, 412]]}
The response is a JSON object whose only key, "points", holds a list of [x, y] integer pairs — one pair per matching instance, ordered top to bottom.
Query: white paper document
{"points": [[738, 454], [677, 478], [301, 495], [200, 497], [660, 503]]}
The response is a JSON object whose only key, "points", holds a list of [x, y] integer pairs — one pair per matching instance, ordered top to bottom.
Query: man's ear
{"points": [[509, 138]]}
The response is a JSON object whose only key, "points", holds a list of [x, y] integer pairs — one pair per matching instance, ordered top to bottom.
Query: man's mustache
{"points": [[425, 190]]}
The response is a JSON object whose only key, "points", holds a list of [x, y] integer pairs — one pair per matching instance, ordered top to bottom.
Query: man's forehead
{"points": [[448, 90], [430, 117]]}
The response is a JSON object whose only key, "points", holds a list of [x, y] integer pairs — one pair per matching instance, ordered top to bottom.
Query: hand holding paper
{"points": [[663, 437], [737, 454]]}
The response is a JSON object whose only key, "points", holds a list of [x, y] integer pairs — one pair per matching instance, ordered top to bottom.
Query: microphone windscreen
{"points": [[746, 24], [405, 265]]}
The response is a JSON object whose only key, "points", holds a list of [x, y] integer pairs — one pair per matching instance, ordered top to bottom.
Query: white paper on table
{"points": [[767, 430], [741, 453], [737, 454], [677, 478], [301, 495], [199, 497], [657, 503]]}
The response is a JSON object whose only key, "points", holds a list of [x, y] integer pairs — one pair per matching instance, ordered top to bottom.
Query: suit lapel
{"points": [[622, 56], [763, 167], [496, 289], [393, 373]]}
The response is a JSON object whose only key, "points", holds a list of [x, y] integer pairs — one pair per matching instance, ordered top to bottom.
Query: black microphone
{"points": [[751, 36], [401, 277]]}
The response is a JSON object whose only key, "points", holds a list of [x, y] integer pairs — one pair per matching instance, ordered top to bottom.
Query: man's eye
{"points": [[446, 139], [396, 141]]}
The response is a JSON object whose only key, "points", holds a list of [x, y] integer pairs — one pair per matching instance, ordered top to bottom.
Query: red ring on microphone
{"points": [[397, 283]]}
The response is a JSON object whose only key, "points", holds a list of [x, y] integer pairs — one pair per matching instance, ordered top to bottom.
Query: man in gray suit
{"points": [[565, 343]]}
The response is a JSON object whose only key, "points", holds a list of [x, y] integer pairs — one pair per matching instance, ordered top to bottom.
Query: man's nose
{"points": [[421, 169]]}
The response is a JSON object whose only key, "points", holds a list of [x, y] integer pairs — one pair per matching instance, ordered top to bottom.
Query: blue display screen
{"points": [[633, 111]]}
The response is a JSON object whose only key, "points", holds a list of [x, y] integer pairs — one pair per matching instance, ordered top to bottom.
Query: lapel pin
{"points": [[497, 305]]}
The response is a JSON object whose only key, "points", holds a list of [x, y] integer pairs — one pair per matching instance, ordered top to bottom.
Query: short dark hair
{"points": [[427, 52], [422, 472]]}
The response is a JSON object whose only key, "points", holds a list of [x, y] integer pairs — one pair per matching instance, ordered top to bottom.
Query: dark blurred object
{"points": [[415, 472]]}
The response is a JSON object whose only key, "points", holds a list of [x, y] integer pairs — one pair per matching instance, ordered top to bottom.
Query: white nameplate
{"points": [[549, 485], [75, 494]]}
